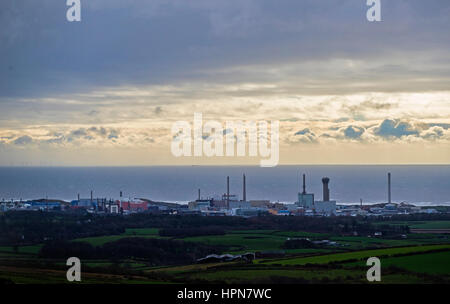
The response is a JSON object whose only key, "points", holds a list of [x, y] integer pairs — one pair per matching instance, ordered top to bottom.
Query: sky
{"points": [[106, 91]]}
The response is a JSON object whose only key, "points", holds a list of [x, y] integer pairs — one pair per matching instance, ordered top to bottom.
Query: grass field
{"points": [[420, 224], [431, 225], [141, 231], [101, 240], [262, 240], [241, 241], [21, 249], [339, 257], [432, 263], [298, 264], [236, 274], [26, 275], [249, 275]]}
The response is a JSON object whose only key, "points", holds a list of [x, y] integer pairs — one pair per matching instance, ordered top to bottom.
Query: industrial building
{"points": [[305, 200], [200, 204], [227, 204], [230, 204], [131, 206], [325, 207], [249, 212]]}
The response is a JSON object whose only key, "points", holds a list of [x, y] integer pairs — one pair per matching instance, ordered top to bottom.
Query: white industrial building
{"points": [[324, 207]]}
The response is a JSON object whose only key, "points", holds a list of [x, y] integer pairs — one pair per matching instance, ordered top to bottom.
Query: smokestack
{"points": [[304, 184], [389, 187], [326, 191], [228, 192], [120, 194], [199, 194], [78, 196], [91, 196], [244, 196]]}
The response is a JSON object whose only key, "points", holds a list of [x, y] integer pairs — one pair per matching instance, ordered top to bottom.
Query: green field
{"points": [[420, 224], [431, 225], [141, 231], [101, 240], [241, 242], [21, 249], [339, 257], [432, 263], [299, 265], [25, 275], [246, 275]]}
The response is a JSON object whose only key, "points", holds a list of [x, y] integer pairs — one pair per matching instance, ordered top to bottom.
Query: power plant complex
{"points": [[307, 202], [227, 204]]}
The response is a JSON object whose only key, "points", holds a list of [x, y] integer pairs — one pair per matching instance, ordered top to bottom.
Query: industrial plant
{"points": [[227, 204], [306, 205]]}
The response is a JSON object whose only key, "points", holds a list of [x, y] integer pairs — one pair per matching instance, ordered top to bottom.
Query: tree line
{"points": [[34, 227], [152, 251]]}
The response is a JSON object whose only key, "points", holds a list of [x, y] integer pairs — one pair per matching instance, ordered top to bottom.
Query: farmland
{"points": [[422, 224], [358, 255], [321, 257], [433, 263]]}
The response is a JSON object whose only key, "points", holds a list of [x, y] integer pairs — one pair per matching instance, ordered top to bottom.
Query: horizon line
{"points": [[220, 165]]}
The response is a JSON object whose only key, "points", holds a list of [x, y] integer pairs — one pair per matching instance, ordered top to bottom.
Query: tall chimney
{"points": [[304, 184], [389, 187], [326, 191], [228, 192], [120, 194], [199, 194], [78, 196], [91, 196], [244, 196]]}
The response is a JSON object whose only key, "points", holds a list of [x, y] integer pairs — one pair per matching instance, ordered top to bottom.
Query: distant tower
{"points": [[304, 184], [389, 187], [244, 190], [326, 191], [228, 192], [120, 194], [199, 194], [78, 196], [92, 196], [305, 200]]}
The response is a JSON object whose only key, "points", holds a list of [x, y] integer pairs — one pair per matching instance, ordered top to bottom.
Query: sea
{"points": [[422, 185]]}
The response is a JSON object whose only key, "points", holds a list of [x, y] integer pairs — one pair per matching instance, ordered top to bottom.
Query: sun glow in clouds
{"points": [[343, 89]]}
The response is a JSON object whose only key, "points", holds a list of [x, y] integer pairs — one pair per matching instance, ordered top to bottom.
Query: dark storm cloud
{"points": [[160, 41]]}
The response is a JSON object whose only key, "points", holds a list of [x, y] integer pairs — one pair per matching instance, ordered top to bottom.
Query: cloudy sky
{"points": [[107, 90]]}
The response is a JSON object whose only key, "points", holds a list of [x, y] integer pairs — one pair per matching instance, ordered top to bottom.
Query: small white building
{"points": [[114, 208]]}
